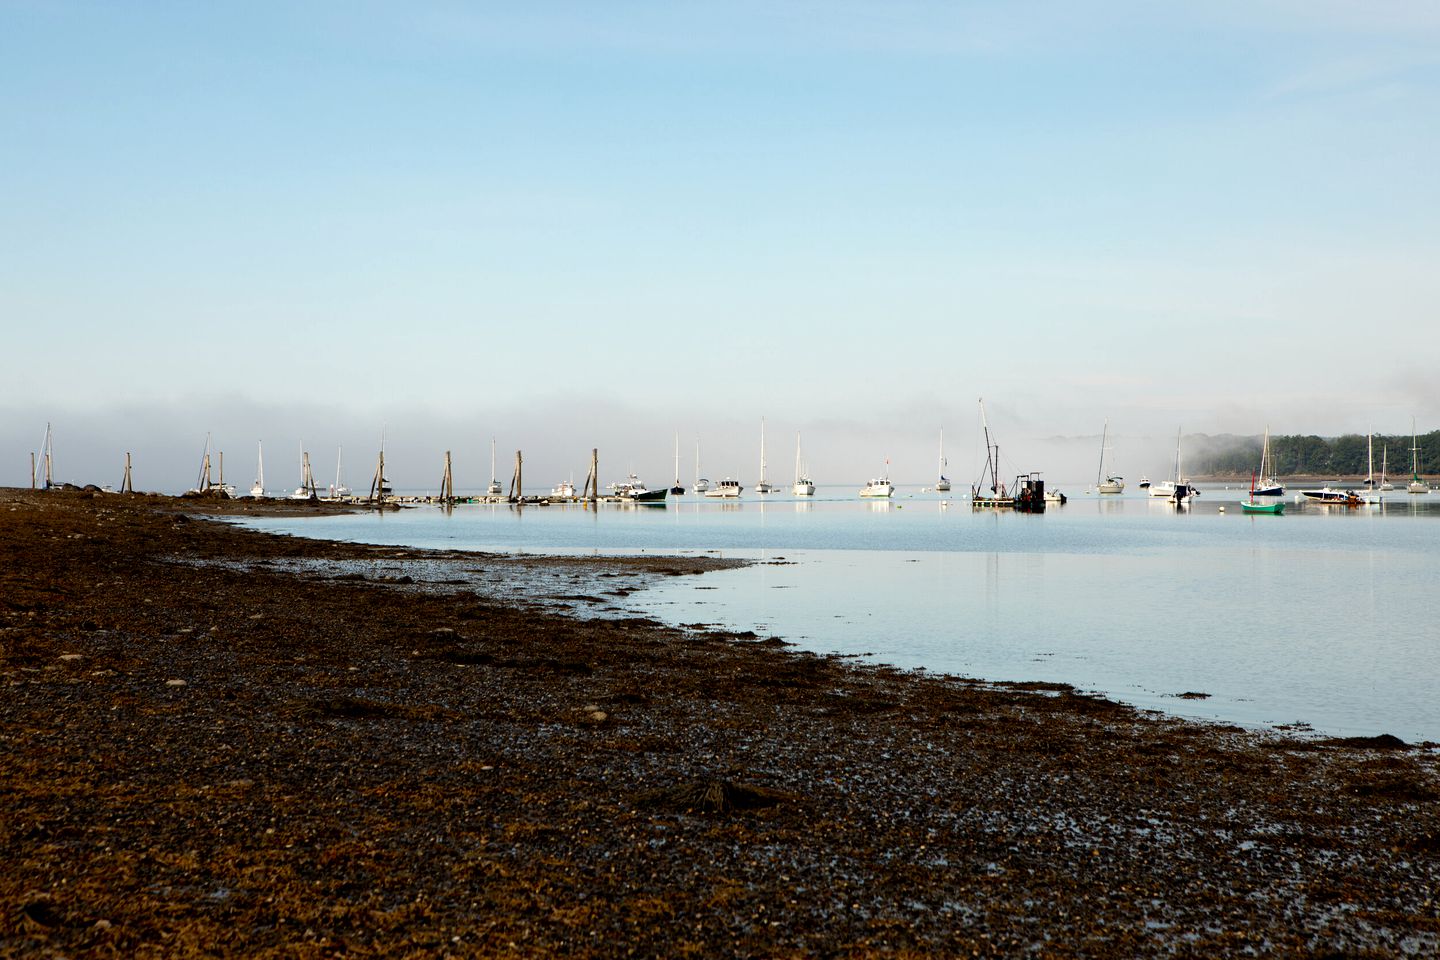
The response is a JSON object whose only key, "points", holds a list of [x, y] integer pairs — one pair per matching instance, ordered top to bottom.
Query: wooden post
{"points": [[32, 469], [594, 474], [447, 482], [517, 482], [125, 485], [377, 485]]}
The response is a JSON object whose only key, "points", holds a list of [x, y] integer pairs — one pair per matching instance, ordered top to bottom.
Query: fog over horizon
{"points": [[166, 442]]}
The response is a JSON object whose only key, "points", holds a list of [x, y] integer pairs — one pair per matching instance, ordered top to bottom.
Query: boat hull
{"points": [[1274, 509]]}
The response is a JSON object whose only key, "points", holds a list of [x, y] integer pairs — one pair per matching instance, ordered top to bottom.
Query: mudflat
{"points": [[216, 742]]}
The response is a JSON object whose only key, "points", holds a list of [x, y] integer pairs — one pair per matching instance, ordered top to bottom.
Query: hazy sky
{"points": [[581, 224]]}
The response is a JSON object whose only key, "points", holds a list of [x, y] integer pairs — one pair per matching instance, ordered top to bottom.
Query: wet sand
{"points": [[218, 742]]}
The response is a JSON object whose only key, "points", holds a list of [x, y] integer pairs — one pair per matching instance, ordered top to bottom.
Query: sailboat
{"points": [[1384, 463], [1107, 483], [701, 484], [943, 484], [1267, 485], [1416, 485], [762, 486], [803, 486], [258, 488], [306, 490], [494, 490], [677, 490], [339, 491], [1179, 491], [1369, 497], [1273, 507]]}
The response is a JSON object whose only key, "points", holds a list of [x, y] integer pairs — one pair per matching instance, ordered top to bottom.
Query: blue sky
{"points": [[581, 224]]}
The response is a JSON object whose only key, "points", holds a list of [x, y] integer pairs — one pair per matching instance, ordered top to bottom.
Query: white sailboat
{"points": [[1107, 483], [943, 484], [1385, 484], [701, 485], [1266, 485], [1416, 485], [762, 486], [803, 486], [257, 489], [494, 489], [306, 490], [1179, 490], [339, 491]]}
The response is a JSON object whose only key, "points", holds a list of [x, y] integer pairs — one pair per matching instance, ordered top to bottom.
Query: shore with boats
{"points": [[221, 743]]}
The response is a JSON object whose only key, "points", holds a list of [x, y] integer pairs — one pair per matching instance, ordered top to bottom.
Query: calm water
{"points": [[1322, 616]]}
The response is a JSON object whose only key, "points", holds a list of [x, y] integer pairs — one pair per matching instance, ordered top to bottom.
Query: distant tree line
{"points": [[1313, 456]]}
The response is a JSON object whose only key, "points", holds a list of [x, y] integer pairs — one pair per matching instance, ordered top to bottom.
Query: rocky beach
{"points": [[216, 742]]}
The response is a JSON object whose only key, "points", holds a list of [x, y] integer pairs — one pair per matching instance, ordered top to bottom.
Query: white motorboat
{"points": [[1144, 483], [803, 485], [880, 486], [726, 489], [565, 490], [634, 490]]}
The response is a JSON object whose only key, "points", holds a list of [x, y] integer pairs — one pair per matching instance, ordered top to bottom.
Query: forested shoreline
{"points": [[1294, 455]]}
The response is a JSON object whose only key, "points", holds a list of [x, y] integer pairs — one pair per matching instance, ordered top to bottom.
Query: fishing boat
{"points": [[1107, 483], [701, 484], [943, 484], [803, 485], [1266, 485], [1416, 485], [762, 486], [879, 486], [257, 489], [494, 489], [726, 489], [564, 490], [633, 490], [677, 490], [1179, 491], [1329, 494], [1027, 495], [1272, 507]]}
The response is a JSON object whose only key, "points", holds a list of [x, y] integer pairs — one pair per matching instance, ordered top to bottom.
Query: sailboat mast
{"points": [[1104, 437], [762, 449], [797, 456], [677, 458]]}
